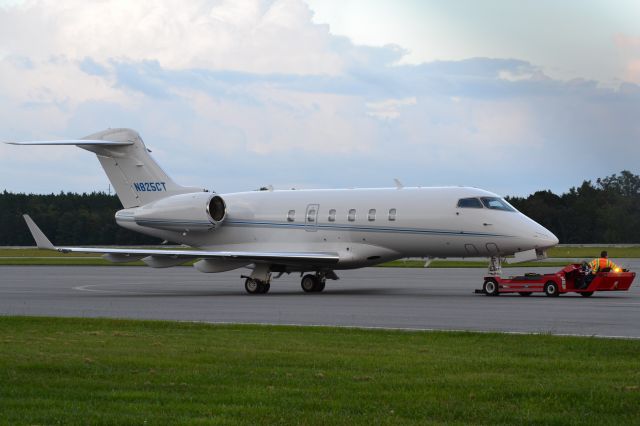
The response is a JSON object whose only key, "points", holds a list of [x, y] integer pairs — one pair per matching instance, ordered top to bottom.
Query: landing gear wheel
{"points": [[309, 283], [252, 286], [256, 286], [320, 286], [264, 288], [490, 288], [551, 289], [524, 293], [586, 293]]}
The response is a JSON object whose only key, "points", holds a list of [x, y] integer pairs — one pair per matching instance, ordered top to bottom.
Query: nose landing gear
{"points": [[495, 266]]}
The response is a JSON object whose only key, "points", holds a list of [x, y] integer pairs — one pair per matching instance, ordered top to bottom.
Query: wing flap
{"points": [[251, 256], [257, 256]]}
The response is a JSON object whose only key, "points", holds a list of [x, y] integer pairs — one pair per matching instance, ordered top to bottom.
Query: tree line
{"points": [[604, 211], [66, 218]]}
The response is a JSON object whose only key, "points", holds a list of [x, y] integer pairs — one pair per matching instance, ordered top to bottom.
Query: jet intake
{"points": [[195, 212]]}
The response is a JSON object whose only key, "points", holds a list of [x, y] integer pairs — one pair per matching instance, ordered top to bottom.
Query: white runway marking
{"points": [[94, 290], [123, 292]]}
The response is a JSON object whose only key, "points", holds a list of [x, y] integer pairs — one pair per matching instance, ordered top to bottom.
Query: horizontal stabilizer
{"points": [[77, 142], [128, 165]]}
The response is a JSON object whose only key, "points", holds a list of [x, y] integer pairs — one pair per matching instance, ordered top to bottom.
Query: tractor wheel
{"points": [[490, 287], [551, 289]]}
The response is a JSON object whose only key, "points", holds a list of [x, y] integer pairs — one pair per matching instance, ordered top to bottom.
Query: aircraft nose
{"points": [[543, 238], [549, 238]]}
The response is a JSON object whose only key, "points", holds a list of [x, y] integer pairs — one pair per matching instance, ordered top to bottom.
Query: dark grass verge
{"points": [[591, 252], [467, 264], [99, 371]]}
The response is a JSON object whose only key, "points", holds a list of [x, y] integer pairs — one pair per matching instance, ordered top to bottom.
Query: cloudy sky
{"points": [[233, 95]]}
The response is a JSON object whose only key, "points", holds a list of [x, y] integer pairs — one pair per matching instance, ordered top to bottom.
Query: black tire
{"points": [[309, 283], [252, 286], [320, 286], [264, 288], [491, 288], [551, 289], [524, 293], [586, 293]]}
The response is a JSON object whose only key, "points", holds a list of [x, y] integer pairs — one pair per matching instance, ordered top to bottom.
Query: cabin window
{"points": [[472, 203], [495, 203], [332, 215], [352, 215], [372, 215], [392, 215], [291, 216], [311, 216]]}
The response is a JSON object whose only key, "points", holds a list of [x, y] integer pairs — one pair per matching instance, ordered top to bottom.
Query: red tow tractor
{"points": [[572, 278]]}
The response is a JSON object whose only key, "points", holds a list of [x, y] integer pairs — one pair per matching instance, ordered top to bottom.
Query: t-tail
{"points": [[134, 174]]}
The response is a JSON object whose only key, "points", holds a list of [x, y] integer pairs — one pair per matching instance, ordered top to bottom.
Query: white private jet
{"points": [[318, 231]]}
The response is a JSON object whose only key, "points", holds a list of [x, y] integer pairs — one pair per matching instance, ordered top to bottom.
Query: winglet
{"points": [[41, 240]]}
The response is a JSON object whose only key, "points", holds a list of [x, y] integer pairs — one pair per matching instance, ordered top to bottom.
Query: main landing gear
{"points": [[260, 281], [313, 283], [254, 286]]}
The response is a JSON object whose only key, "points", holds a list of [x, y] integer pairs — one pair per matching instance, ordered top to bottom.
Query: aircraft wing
{"points": [[77, 142], [325, 258]]}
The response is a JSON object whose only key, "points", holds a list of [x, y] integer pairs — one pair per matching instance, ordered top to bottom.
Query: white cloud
{"points": [[246, 35], [630, 50], [242, 94], [389, 108]]}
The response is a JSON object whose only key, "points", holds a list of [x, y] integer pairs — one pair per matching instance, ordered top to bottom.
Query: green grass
{"points": [[34, 252], [591, 252], [68, 261], [483, 264], [94, 371]]}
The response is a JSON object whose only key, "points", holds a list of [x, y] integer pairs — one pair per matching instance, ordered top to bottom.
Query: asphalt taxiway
{"points": [[403, 298]]}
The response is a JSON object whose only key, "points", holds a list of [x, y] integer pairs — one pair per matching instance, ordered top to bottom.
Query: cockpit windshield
{"points": [[473, 203], [493, 203], [496, 203]]}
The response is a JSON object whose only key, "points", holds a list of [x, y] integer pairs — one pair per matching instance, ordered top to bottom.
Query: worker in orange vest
{"points": [[600, 264], [603, 264]]}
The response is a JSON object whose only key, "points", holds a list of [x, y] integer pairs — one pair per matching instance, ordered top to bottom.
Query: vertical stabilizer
{"points": [[134, 174]]}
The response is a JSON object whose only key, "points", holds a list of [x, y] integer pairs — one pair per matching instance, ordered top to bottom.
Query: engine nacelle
{"points": [[199, 211]]}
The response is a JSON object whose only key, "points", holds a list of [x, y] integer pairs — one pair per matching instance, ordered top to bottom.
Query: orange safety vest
{"points": [[600, 263]]}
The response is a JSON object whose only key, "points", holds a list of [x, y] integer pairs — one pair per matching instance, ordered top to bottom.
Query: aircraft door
{"points": [[311, 218], [492, 249], [471, 250]]}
